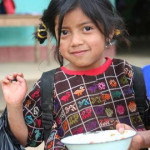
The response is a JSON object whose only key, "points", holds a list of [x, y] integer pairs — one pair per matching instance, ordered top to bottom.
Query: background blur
{"points": [[8, 35], [17, 43]]}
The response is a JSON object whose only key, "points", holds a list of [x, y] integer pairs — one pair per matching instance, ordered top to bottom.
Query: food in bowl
{"points": [[100, 140]]}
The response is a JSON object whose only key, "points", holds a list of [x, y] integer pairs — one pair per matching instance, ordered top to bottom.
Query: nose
{"points": [[76, 40]]}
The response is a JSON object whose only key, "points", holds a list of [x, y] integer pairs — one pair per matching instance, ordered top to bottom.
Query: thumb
{"points": [[20, 78], [21, 81], [121, 127]]}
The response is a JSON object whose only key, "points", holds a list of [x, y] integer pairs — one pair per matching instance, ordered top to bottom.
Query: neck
{"points": [[72, 67]]}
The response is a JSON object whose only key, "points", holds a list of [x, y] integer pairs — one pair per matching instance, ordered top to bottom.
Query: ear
{"points": [[111, 35]]}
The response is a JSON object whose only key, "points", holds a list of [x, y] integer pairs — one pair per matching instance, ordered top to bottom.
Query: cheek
{"points": [[97, 38], [98, 43], [61, 45], [64, 45], [63, 48]]}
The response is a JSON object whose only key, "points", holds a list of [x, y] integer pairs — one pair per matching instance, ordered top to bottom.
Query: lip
{"points": [[80, 52]]}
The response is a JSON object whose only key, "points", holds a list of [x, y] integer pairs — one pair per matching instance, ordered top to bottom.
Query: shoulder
{"points": [[121, 64], [123, 69], [49, 73], [50, 76]]}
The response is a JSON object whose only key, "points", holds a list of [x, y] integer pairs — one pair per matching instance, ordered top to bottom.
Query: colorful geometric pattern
{"points": [[83, 104]]}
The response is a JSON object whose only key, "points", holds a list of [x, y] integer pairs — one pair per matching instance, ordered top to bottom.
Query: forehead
{"points": [[75, 15]]}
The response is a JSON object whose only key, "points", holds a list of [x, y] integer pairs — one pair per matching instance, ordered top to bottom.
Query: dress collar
{"points": [[92, 72]]}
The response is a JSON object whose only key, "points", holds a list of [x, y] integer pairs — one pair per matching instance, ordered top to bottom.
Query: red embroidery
{"points": [[36, 94], [66, 97], [86, 114]]}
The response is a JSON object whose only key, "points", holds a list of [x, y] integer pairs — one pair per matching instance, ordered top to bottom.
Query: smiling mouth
{"points": [[79, 52]]}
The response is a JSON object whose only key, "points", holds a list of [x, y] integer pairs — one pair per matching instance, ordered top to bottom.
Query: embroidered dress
{"points": [[85, 101]]}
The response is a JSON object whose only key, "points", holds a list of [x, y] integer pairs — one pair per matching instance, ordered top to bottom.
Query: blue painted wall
{"points": [[30, 6], [8, 36], [23, 36]]}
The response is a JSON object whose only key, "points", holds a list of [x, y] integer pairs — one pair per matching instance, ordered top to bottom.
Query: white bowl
{"points": [[100, 140]]}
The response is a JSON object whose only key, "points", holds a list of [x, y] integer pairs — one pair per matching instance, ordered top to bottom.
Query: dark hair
{"points": [[97, 10]]}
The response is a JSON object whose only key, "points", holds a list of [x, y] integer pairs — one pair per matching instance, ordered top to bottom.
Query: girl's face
{"points": [[81, 42]]}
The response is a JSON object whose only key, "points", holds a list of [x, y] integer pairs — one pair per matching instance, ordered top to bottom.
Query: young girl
{"points": [[91, 92]]}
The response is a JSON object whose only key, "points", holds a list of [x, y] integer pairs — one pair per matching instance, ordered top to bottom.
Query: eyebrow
{"points": [[86, 22], [81, 24]]}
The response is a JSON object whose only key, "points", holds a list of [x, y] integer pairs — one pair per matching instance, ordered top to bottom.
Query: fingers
{"points": [[21, 75], [14, 77], [20, 78], [7, 79], [121, 127]]}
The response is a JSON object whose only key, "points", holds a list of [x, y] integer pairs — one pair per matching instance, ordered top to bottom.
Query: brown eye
{"points": [[87, 28], [64, 32]]}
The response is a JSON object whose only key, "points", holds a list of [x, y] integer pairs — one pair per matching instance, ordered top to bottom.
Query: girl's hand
{"points": [[14, 91], [137, 141]]}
